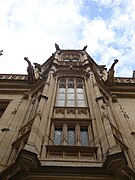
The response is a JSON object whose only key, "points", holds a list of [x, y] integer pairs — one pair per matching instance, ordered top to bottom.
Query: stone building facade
{"points": [[67, 119]]}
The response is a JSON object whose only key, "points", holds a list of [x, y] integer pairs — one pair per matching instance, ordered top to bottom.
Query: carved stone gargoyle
{"points": [[30, 70], [110, 77]]}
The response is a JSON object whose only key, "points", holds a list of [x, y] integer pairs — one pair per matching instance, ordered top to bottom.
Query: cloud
{"points": [[31, 28]]}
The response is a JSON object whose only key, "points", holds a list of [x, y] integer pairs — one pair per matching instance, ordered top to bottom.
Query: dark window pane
{"points": [[62, 80], [71, 80], [78, 80], [62, 85], [79, 85], [58, 136], [71, 136], [84, 136]]}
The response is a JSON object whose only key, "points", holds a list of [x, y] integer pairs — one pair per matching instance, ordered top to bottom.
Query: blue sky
{"points": [[31, 28]]}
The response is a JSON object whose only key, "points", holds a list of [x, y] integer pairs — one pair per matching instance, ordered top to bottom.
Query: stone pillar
{"points": [[102, 120], [12, 122], [39, 127]]}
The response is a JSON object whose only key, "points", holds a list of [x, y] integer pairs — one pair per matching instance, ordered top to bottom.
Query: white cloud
{"points": [[31, 28]]}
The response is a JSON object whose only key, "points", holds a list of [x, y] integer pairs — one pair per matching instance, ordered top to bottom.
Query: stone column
{"points": [[102, 119], [39, 127]]}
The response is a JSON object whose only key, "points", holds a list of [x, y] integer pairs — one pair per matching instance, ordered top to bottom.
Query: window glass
{"points": [[62, 90], [79, 90], [70, 92], [61, 96], [70, 96], [80, 96], [60, 102], [70, 103], [81, 103], [67, 135], [84, 135], [58, 136], [71, 136]]}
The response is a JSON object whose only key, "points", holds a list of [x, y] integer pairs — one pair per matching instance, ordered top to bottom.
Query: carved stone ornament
{"points": [[61, 111], [70, 111], [82, 111]]}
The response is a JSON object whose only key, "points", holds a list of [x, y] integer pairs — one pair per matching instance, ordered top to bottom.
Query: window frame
{"points": [[65, 87], [77, 133]]}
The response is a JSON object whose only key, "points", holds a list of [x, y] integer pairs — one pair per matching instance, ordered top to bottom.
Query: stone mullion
{"points": [[64, 134], [77, 134], [51, 135]]}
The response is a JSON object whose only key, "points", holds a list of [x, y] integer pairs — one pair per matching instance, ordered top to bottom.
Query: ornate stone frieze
{"points": [[13, 77], [120, 80]]}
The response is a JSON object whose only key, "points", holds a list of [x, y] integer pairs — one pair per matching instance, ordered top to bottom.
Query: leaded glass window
{"points": [[71, 92], [58, 135], [84, 135], [71, 136]]}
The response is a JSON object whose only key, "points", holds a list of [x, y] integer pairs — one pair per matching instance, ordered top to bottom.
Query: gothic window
{"points": [[71, 92], [67, 134]]}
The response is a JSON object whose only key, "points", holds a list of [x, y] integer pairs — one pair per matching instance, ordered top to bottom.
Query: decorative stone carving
{"points": [[30, 70], [37, 70], [110, 77], [62, 111], [70, 111], [82, 111]]}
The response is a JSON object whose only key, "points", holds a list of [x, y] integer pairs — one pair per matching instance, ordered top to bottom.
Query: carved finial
{"points": [[57, 47], [85, 47], [1, 52]]}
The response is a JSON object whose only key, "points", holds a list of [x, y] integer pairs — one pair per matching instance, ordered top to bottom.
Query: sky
{"points": [[30, 28]]}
